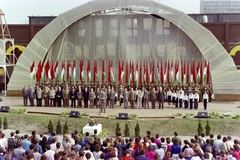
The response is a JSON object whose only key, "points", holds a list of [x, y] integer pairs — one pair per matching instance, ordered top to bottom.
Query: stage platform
{"points": [[168, 111]]}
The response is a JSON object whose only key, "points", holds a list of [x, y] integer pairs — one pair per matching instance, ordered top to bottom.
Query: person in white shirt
{"points": [[174, 95], [169, 96], [139, 99], [180, 99], [185, 99], [196, 99], [190, 100], [205, 100], [176, 101], [160, 151]]}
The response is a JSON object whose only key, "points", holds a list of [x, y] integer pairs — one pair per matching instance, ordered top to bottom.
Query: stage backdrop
{"points": [[161, 33]]}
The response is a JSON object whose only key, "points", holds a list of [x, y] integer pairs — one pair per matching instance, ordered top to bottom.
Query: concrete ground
{"points": [[220, 107]]}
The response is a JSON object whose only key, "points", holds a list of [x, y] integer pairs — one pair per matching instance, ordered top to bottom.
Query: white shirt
{"points": [[169, 93], [174, 95], [180, 96], [190, 96], [196, 96], [205, 96], [185, 98], [160, 152]]}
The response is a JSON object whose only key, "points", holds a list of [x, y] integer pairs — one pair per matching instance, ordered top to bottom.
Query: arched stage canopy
{"points": [[66, 32]]}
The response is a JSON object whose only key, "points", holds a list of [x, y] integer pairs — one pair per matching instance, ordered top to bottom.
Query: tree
{"points": [[0, 123], [5, 123], [50, 127], [65, 127], [59, 128], [200, 128], [208, 128], [118, 129], [126, 130], [137, 130]]}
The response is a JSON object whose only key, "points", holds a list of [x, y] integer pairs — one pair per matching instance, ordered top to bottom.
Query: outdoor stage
{"points": [[216, 106]]}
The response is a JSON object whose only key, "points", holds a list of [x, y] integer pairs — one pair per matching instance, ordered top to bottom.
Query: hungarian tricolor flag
{"points": [[81, 67], [132, 68], [56, 70], [32, 71], [43, 71], [69, 71], [89, 71], [111, 71], [151, 71], [158, 71], [199, 71], [63, 72], [74, 72], [103, 72], [119, 72], [161, 72], [172, 72], [177, 72], [165, 73], [184, 73], [208, 73], [147, 74], [130, 75], [136, 75], [95, 76], [140, 76], [193, 76], [204, 78]]}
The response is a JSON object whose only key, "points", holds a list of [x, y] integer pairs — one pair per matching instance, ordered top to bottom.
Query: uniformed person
{"points": [[79, 97], [103, 97], [112, 97], [91, 98], [125, 98], [132, 98], [145, 99]]}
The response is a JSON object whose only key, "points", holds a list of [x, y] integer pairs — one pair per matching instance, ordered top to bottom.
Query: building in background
{"points": [[219, 6]]}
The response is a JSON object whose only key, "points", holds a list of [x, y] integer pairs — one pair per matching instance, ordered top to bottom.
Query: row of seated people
{"points": [[91, 147]]}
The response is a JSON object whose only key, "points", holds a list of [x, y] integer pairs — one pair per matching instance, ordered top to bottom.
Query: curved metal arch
{"points": [[223, 71]]}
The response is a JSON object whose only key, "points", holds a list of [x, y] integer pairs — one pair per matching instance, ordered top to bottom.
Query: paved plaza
{"points": [[219, 106]]}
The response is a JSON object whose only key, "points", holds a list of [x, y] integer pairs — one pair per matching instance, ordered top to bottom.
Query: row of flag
{"points": [[143, 71]]}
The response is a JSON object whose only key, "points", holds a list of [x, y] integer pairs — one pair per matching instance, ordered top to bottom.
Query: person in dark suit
{"points": [[25, 95], [73, 95], [59, 96], [85, 97], [161, 97]]}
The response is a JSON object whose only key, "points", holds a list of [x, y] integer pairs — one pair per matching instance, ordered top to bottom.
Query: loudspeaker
{"points": [[4, 108], [74, 114], [202, 114], [122, 116]]}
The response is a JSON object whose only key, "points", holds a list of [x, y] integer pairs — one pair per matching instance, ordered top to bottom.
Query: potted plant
{"points": [[67, 113], [214, 114], [85, 115], [178, 115], [189, 115], [227, 115], [112, 116], [133, 116], [237, 116], [5, 123], [65, 127], [59, 128], [117, 129], [126, 130], [137, 130]]}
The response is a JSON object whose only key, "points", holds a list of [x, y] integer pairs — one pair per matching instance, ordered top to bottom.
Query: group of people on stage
{"points": [[106, 95]]}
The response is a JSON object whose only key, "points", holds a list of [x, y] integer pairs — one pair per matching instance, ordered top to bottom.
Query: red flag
{"points": [[68, 66], [47, 68], [81, 69], [56, 70], [39, 71], [52, 71], [89, 71], [95, 71], [103, 71], [109, 71], [188, 71], [119, 72], [153, 72], [161, 72], [168, 72], [194, 72], [201, 72], [208, 73], [147, 74], [140, 76], [126, 79]]}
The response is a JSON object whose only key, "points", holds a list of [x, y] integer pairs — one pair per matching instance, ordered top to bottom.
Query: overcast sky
{"points": [[17, 11]]}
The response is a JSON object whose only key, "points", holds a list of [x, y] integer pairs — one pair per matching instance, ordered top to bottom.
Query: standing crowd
{"points": [[104, 96], [91, 147]]}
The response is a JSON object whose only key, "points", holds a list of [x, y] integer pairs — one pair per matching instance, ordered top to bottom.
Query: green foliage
{"points": [[19, 111], [67, 113], [5, 123], [50, 127], [59, 127], [65, 127], [200, 128], [208, 128], [118, 129], [126, 130], [137, 130], [104, 133]]}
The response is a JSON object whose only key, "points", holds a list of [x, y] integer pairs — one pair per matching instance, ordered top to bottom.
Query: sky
{"points": [[17, 11]]}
